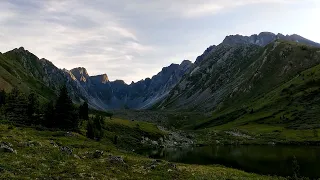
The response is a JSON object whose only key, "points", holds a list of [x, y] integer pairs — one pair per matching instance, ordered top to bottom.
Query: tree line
{"points": [[60, 113]]}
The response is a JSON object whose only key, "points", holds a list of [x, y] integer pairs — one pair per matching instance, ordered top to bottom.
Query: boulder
{"points": [[69, 134], [155, 143], [31, 144], [53, 144], [7, 147], [66, 149], [98, 154], [76, 156], [116, 159], [172, 165], [153, 166]]}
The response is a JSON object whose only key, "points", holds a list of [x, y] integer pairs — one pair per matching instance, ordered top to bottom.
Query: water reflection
{"points": [[270, 160]]}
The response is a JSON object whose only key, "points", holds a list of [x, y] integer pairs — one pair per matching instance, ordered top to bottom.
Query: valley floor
{"points": [[30, 153]]}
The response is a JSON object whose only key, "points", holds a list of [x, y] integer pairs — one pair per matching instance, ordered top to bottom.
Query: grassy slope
{"points": [[13, 74], [290, 112], [130, 132], [42, 160]]}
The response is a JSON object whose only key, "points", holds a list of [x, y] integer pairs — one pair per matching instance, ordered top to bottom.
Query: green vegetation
{"points": [[26, 76], [25, 110], [287, 114], [94, 128], [128, 134], [57, 139], [43, 153], [46, 154]]}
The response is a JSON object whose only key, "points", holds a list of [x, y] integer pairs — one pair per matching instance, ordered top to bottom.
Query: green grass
{"points": [[13, 73], [289, 113], [143, 126], [129, 133], [40, 159]]}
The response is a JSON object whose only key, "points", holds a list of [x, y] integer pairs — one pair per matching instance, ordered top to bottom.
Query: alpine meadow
{"points": [[248, 107]]}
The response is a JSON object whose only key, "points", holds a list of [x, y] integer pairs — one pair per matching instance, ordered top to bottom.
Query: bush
{"points": [[315, 133]]}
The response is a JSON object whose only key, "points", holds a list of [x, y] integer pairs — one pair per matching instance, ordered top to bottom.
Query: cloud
{"points": [[195, 8], [69, 34], [134, 39]]}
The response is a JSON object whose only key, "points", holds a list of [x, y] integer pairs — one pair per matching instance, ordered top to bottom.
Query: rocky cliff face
{"points": [[264, 38], [21, 68], [235, 69], [239, 69], [80, 74], [117, 94]]}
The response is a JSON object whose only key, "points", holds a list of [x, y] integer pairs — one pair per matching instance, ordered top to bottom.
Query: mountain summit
{"points": [[264, 38], [239, 65]]}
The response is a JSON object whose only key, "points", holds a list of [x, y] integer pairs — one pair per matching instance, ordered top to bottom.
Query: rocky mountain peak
{"points": [[266, 33], [264, 38], [20, 50], [204, 54], [185, 63], [80, 73], [103, 78], [119, 82]]}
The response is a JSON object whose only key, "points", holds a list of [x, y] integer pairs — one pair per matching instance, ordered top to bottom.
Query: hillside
{"points": [[25, 70], [232, 71], [233, 75], [260, 89], [289, 112], [58, 154]]}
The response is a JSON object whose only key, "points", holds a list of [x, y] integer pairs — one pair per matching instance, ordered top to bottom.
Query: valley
{"points": [[245, 105]]}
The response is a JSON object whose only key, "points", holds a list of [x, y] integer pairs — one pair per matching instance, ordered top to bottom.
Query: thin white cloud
{"points": [[196, 8], [70, 34], [134, 39]]}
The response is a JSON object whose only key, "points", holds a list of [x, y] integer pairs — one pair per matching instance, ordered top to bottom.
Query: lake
{"points": [[268, 160]]}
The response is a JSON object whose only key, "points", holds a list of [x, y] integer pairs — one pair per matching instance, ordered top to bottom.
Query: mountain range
{"points": [[21, 68], [225, 77]]}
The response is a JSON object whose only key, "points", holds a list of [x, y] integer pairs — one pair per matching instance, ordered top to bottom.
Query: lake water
{"points": [[269, 160]]}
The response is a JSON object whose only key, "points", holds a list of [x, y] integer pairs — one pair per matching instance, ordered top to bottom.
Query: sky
{"points": [[134, 39]]}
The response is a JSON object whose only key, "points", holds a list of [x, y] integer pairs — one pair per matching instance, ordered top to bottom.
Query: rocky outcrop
{"points": [[265, 38], [206, 53], [238, 69], [80, 74], [43, 77], [207, 81], [104, 94], [7, 147]]}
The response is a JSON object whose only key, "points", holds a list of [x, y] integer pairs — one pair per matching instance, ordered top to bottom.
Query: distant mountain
{"points": [[264, 38], [261, 39], [252, 65], [23, 69], [237, 70], [117, 94]]}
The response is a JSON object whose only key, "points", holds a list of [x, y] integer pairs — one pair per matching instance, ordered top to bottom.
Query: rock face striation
{"points": [[264, 38], [21, 68], [239, 69], [225, 71], [140, 95]]}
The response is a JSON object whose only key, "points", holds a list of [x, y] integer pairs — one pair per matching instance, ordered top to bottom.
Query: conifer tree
{"points": [[2, 97], [16, 106], [33, 108], [84, 111], [65, 113], [49, 115], [98, 122], [95, 128], [90, 130]]}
